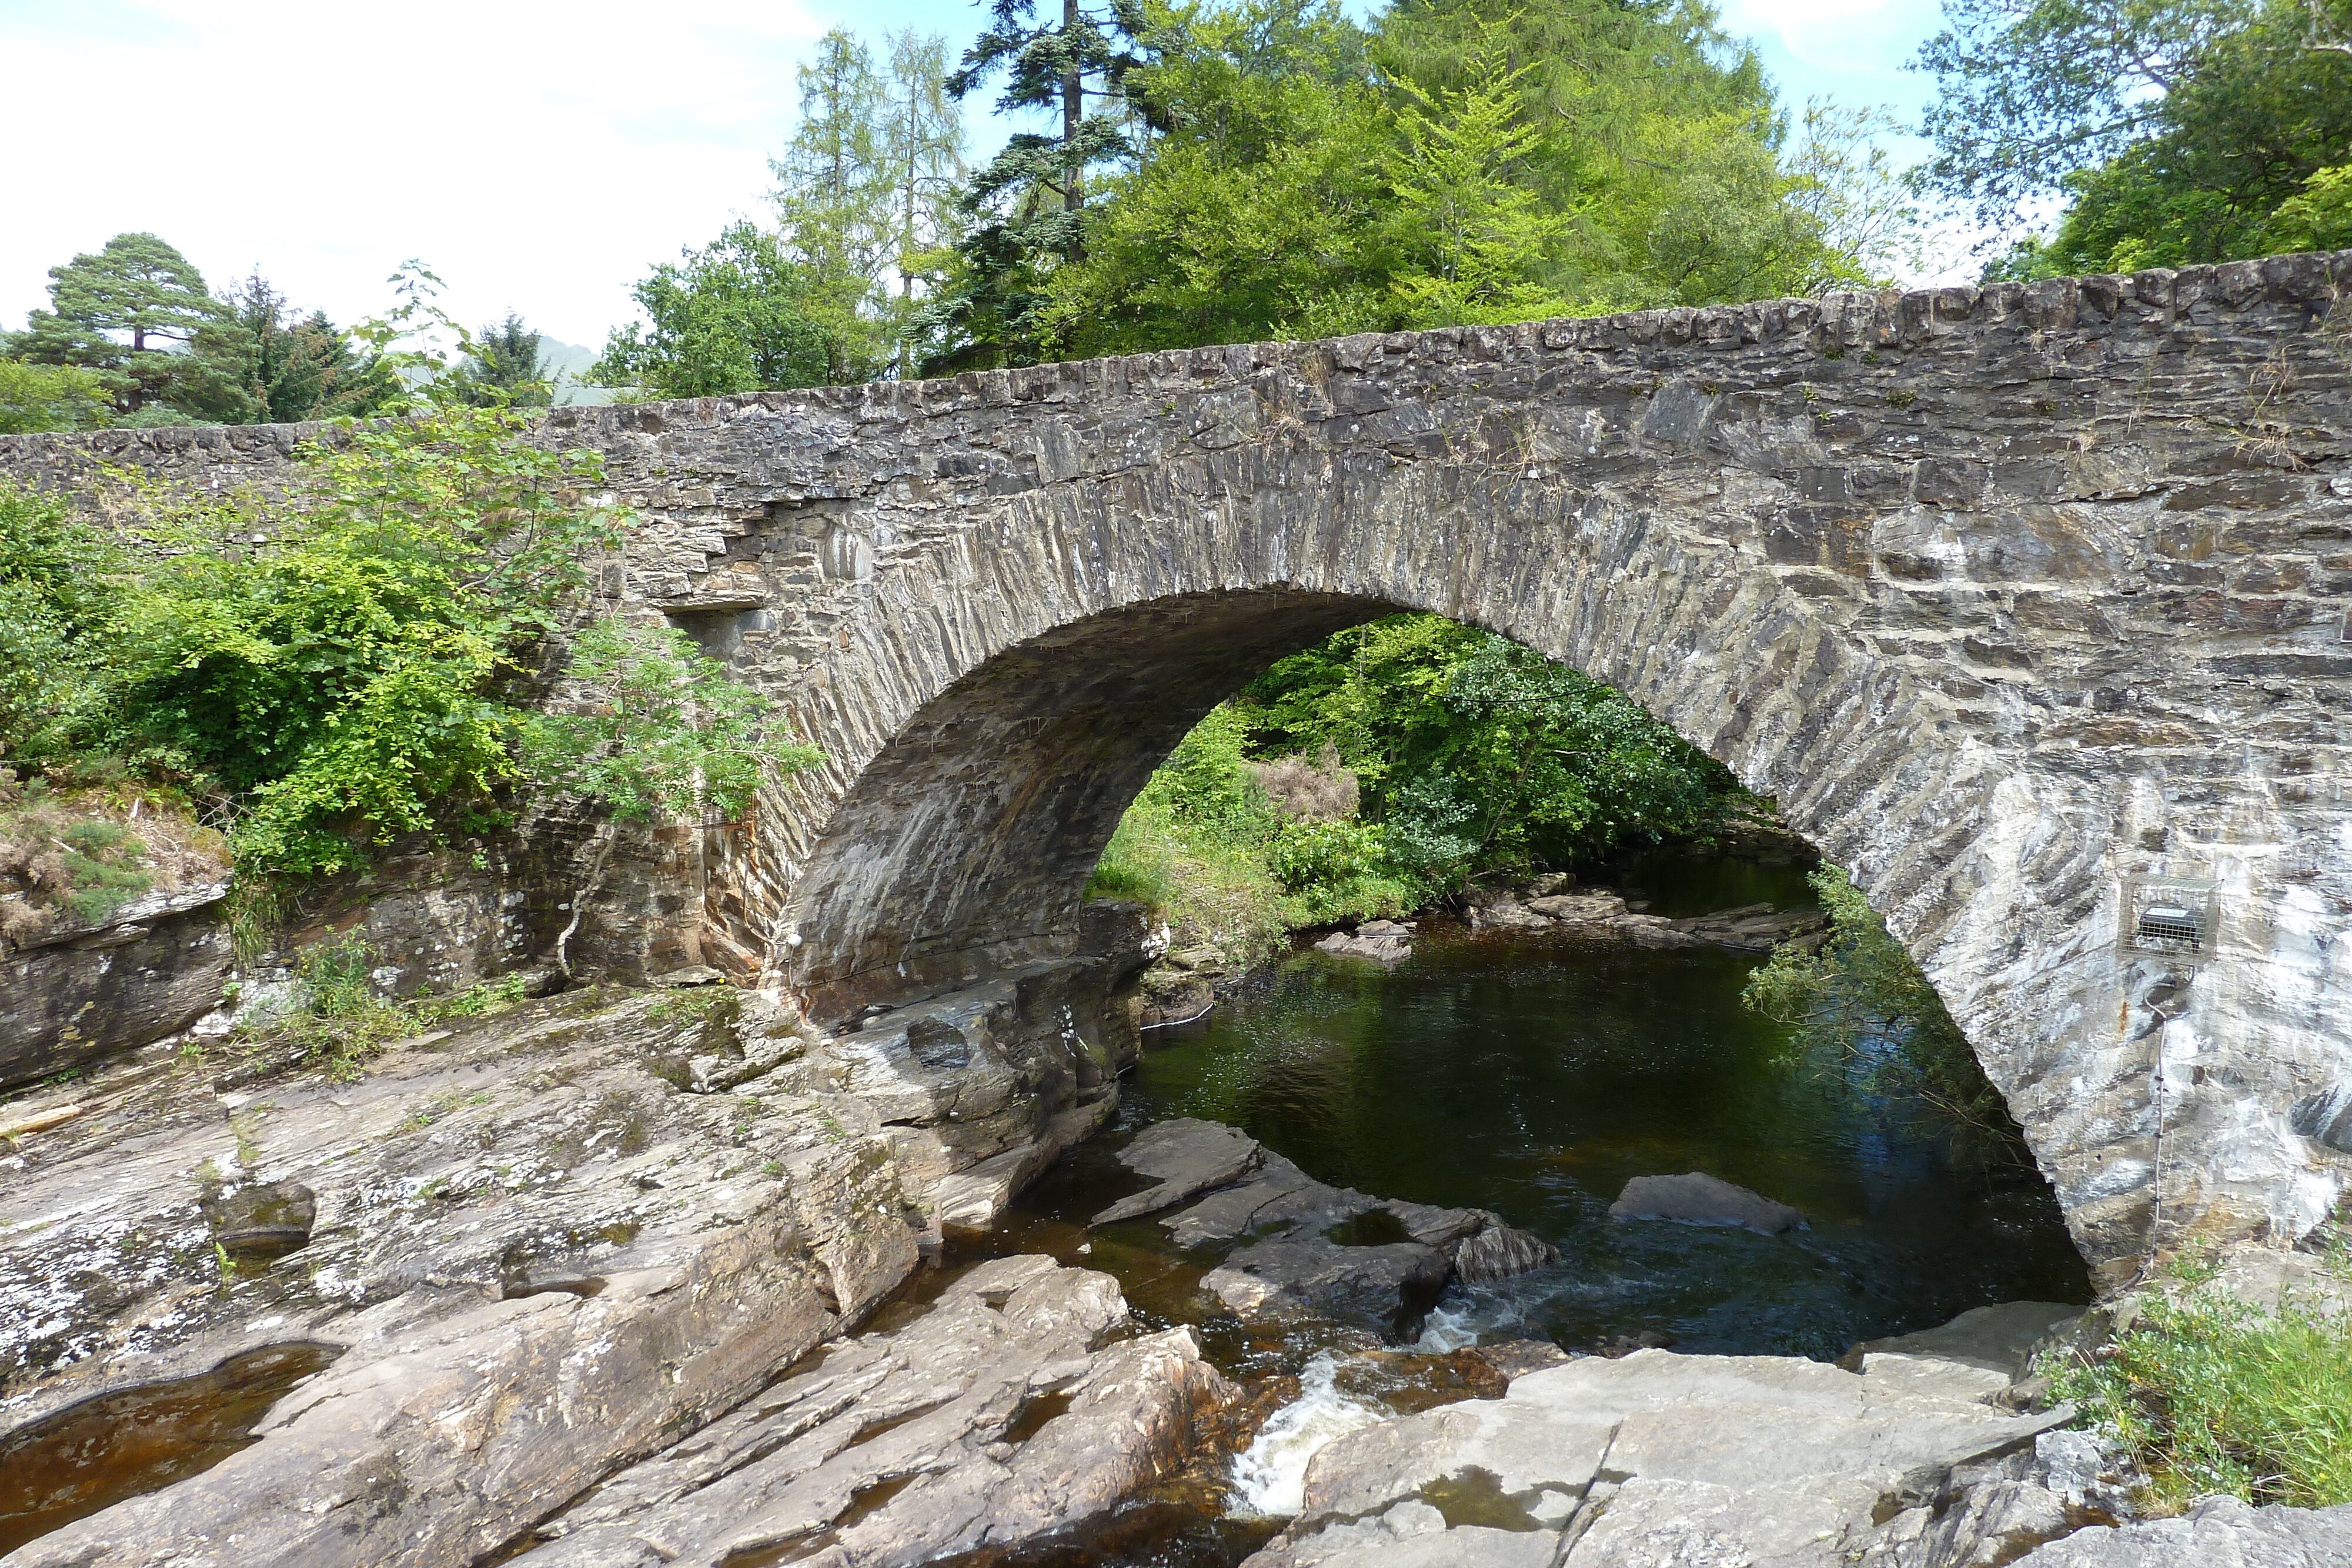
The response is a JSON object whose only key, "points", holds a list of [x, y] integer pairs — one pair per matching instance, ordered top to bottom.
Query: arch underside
{"points": [[966, 844]]}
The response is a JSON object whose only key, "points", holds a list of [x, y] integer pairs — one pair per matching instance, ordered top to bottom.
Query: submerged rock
{"points": [[1698, 1198]]}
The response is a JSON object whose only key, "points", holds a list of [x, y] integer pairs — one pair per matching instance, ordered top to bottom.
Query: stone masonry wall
{"points": [[2009, 595]]}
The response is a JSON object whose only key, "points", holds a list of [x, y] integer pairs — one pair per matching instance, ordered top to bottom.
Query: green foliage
{"points": [[2181, 130], [1464, 161], [1256, 214], [1478, 233], [112, 311], [739, 315], [268, 363], [52, 397], [56, 593], [329, 658], [352, 660], [629, 747], [1471, 754], [1479, 754], [1859, 1003], [2214, 1395]]}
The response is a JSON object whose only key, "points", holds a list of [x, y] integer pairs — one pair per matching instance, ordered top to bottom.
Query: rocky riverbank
{"points": [[507, 1260]]}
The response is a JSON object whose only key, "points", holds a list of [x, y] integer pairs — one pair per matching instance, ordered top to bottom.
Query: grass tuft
{"points": [[2212, 1394]]}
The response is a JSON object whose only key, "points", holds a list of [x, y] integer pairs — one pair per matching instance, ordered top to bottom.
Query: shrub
{"points": [[356, 659], [1319, 791], [2212, 1395]]}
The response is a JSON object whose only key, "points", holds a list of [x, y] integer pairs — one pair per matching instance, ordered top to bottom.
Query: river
{"points": [[1533, 1076]]}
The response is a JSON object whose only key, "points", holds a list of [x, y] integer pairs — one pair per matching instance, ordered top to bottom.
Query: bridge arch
{"points": [[2010, 596]]}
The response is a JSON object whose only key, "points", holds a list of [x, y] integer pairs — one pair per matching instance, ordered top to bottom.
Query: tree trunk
{"points": [[1073, 194]]}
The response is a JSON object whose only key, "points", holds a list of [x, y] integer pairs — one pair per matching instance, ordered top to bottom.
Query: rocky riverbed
{"points": [[635, 1277]]}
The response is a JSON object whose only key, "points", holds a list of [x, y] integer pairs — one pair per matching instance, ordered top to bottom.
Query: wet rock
{"points": [[1579, 908], [1508, 914], [1381, 947], [1174, 997], [1186, 1156], [1277, 1196], [1698, 1198], [255, 1223], [1316, 1248], [1497, 1252], [1386, 1288], [1518, 1357], [986, 1422], [2219, 1532]]}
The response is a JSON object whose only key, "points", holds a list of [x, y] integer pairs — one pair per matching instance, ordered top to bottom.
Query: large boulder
{"points": [[985, 1422]]}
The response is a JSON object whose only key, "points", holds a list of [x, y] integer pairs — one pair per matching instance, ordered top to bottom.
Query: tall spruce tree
{"points": [[263, 362], [503, 367]]}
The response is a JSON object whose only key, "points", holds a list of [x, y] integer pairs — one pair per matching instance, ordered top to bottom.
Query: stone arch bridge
{"points": [[2010, 597]]}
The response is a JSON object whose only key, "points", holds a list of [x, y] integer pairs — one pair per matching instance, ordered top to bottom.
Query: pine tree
{"points": [[1028, 203], [113, 311]]}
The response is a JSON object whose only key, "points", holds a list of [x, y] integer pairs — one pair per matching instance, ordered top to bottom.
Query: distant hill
{"points": [[567, 363]]}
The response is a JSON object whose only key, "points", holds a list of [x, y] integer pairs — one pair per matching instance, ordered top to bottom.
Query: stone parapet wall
{"points": [[2009, 595]]}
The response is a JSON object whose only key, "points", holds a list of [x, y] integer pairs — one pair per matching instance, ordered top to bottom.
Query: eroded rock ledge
{"points": [[525, 1252]]}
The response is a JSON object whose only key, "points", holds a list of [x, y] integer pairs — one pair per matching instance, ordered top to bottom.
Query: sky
{"points": [[540, 157]]}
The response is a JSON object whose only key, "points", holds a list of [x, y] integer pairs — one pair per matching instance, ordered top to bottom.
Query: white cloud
{"points": [[537, 155]]}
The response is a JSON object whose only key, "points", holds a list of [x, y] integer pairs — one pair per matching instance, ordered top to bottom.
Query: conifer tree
{"points": [[1027, 203], [115, 311]]}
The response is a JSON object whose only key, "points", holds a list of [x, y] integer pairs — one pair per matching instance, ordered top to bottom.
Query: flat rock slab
{"points": [[1381, 947], [1188, 1157], [1697, 1198], [1999, 1338], [1658, 1458], [1411, 1535]]}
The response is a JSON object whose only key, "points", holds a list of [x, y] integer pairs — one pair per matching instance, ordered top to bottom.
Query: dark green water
{"points": [[1534, 1076]]}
